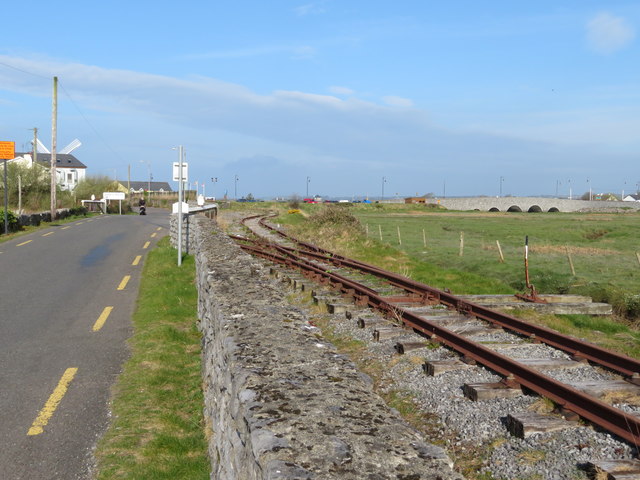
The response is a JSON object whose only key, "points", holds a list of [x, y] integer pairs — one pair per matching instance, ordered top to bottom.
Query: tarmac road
{"points": [[67, 294]]}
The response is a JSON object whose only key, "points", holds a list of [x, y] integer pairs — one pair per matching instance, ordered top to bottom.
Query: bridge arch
{"points": [[514, 208], [494, 209], [534, 209], [554, 209]]}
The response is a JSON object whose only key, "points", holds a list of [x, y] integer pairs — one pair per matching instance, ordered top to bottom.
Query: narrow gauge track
{"points": [[307, 260]]}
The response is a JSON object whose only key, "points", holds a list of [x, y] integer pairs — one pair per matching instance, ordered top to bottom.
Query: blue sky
{"points": [[442, 97]]}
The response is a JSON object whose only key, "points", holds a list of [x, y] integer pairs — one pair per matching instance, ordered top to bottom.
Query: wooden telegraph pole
{"points": [[54, 141]]}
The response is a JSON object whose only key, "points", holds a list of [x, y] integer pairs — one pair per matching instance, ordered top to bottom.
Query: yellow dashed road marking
{"points": [[64, 228], [158, 229], [47, 234], [153, 235], [24, 243], [146, 245], [136, 260], [124, 282], [102, 318], [54, 400]]}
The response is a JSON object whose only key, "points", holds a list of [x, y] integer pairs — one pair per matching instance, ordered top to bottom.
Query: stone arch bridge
{"points": [[527, 204]]}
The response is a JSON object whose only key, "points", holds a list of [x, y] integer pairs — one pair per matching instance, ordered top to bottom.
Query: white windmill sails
{"points": [[68, 149]]}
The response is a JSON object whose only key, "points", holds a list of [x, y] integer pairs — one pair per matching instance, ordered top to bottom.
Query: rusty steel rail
{"points": [[627, 366], [597, 412]]}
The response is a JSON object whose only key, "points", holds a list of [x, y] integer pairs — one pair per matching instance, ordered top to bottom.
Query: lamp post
{"points": [[214, 180], [308, 180], [384, 180], [501, 180], [558, 183], [589, 183], [235, 187], [570, 192]]}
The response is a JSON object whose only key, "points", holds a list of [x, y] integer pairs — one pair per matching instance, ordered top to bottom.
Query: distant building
{"points": [[69, 170], [141, 187], [631, 198], [415, 200]]}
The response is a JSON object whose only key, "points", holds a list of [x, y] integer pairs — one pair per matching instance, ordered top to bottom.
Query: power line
{"points": [[24, 71], [89, 123], [95, 131]]}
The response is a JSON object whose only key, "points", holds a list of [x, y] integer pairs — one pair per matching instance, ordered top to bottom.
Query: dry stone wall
{"points": [[280, 401]]}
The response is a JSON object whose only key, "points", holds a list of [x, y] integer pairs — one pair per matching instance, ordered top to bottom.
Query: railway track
{"points": [[431, 313]]}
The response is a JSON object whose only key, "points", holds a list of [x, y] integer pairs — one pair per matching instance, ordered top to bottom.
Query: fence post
{"points": [[399, 238], [461, 243], [500, 251], [573, 270]]}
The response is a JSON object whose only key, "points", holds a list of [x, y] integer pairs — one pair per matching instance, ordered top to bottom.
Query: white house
{"points": [[69, 170], [631, 198]]}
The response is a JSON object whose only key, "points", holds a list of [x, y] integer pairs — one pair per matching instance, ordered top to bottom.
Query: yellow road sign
{"points": [[7, 150]]}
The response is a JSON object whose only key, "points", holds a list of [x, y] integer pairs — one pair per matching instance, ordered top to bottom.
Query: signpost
{"points": [[7, 152], [180, 175], [114, 196]]}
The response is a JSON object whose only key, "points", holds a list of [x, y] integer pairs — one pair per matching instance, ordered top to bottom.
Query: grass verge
{"points": [[30, 229], [157, 430]]}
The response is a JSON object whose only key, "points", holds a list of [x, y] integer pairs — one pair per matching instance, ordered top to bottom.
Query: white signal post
{"points": [[180, 180]]}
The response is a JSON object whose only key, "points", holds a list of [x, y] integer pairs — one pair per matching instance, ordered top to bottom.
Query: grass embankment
{"points": [[602, 249], [158, 429]]}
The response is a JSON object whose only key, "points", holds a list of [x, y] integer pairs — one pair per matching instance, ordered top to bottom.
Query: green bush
{"points": [[93, 186], [113, 207], [78, 212], [335, 216], [13, 221], [632, 305]]}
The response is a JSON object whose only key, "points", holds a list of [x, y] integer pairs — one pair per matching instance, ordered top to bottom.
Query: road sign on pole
{"points": [[7, 152], [176, 172]]}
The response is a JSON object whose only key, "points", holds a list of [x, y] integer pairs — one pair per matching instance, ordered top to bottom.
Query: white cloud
{"points": [[315, 8], [607, 33], [341, 90], [395, 101], [347, 135]]}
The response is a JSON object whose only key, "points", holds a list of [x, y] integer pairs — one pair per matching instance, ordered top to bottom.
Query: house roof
{"points": [[63, 160], [155, 186]]}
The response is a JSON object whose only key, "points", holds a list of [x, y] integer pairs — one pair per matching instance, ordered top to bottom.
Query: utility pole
{"points": [[54, 141], [35, 145], [129, 184]]}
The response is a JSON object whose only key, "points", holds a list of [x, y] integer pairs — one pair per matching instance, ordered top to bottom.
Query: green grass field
{"points": [[603, 247], [158, 429]]}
